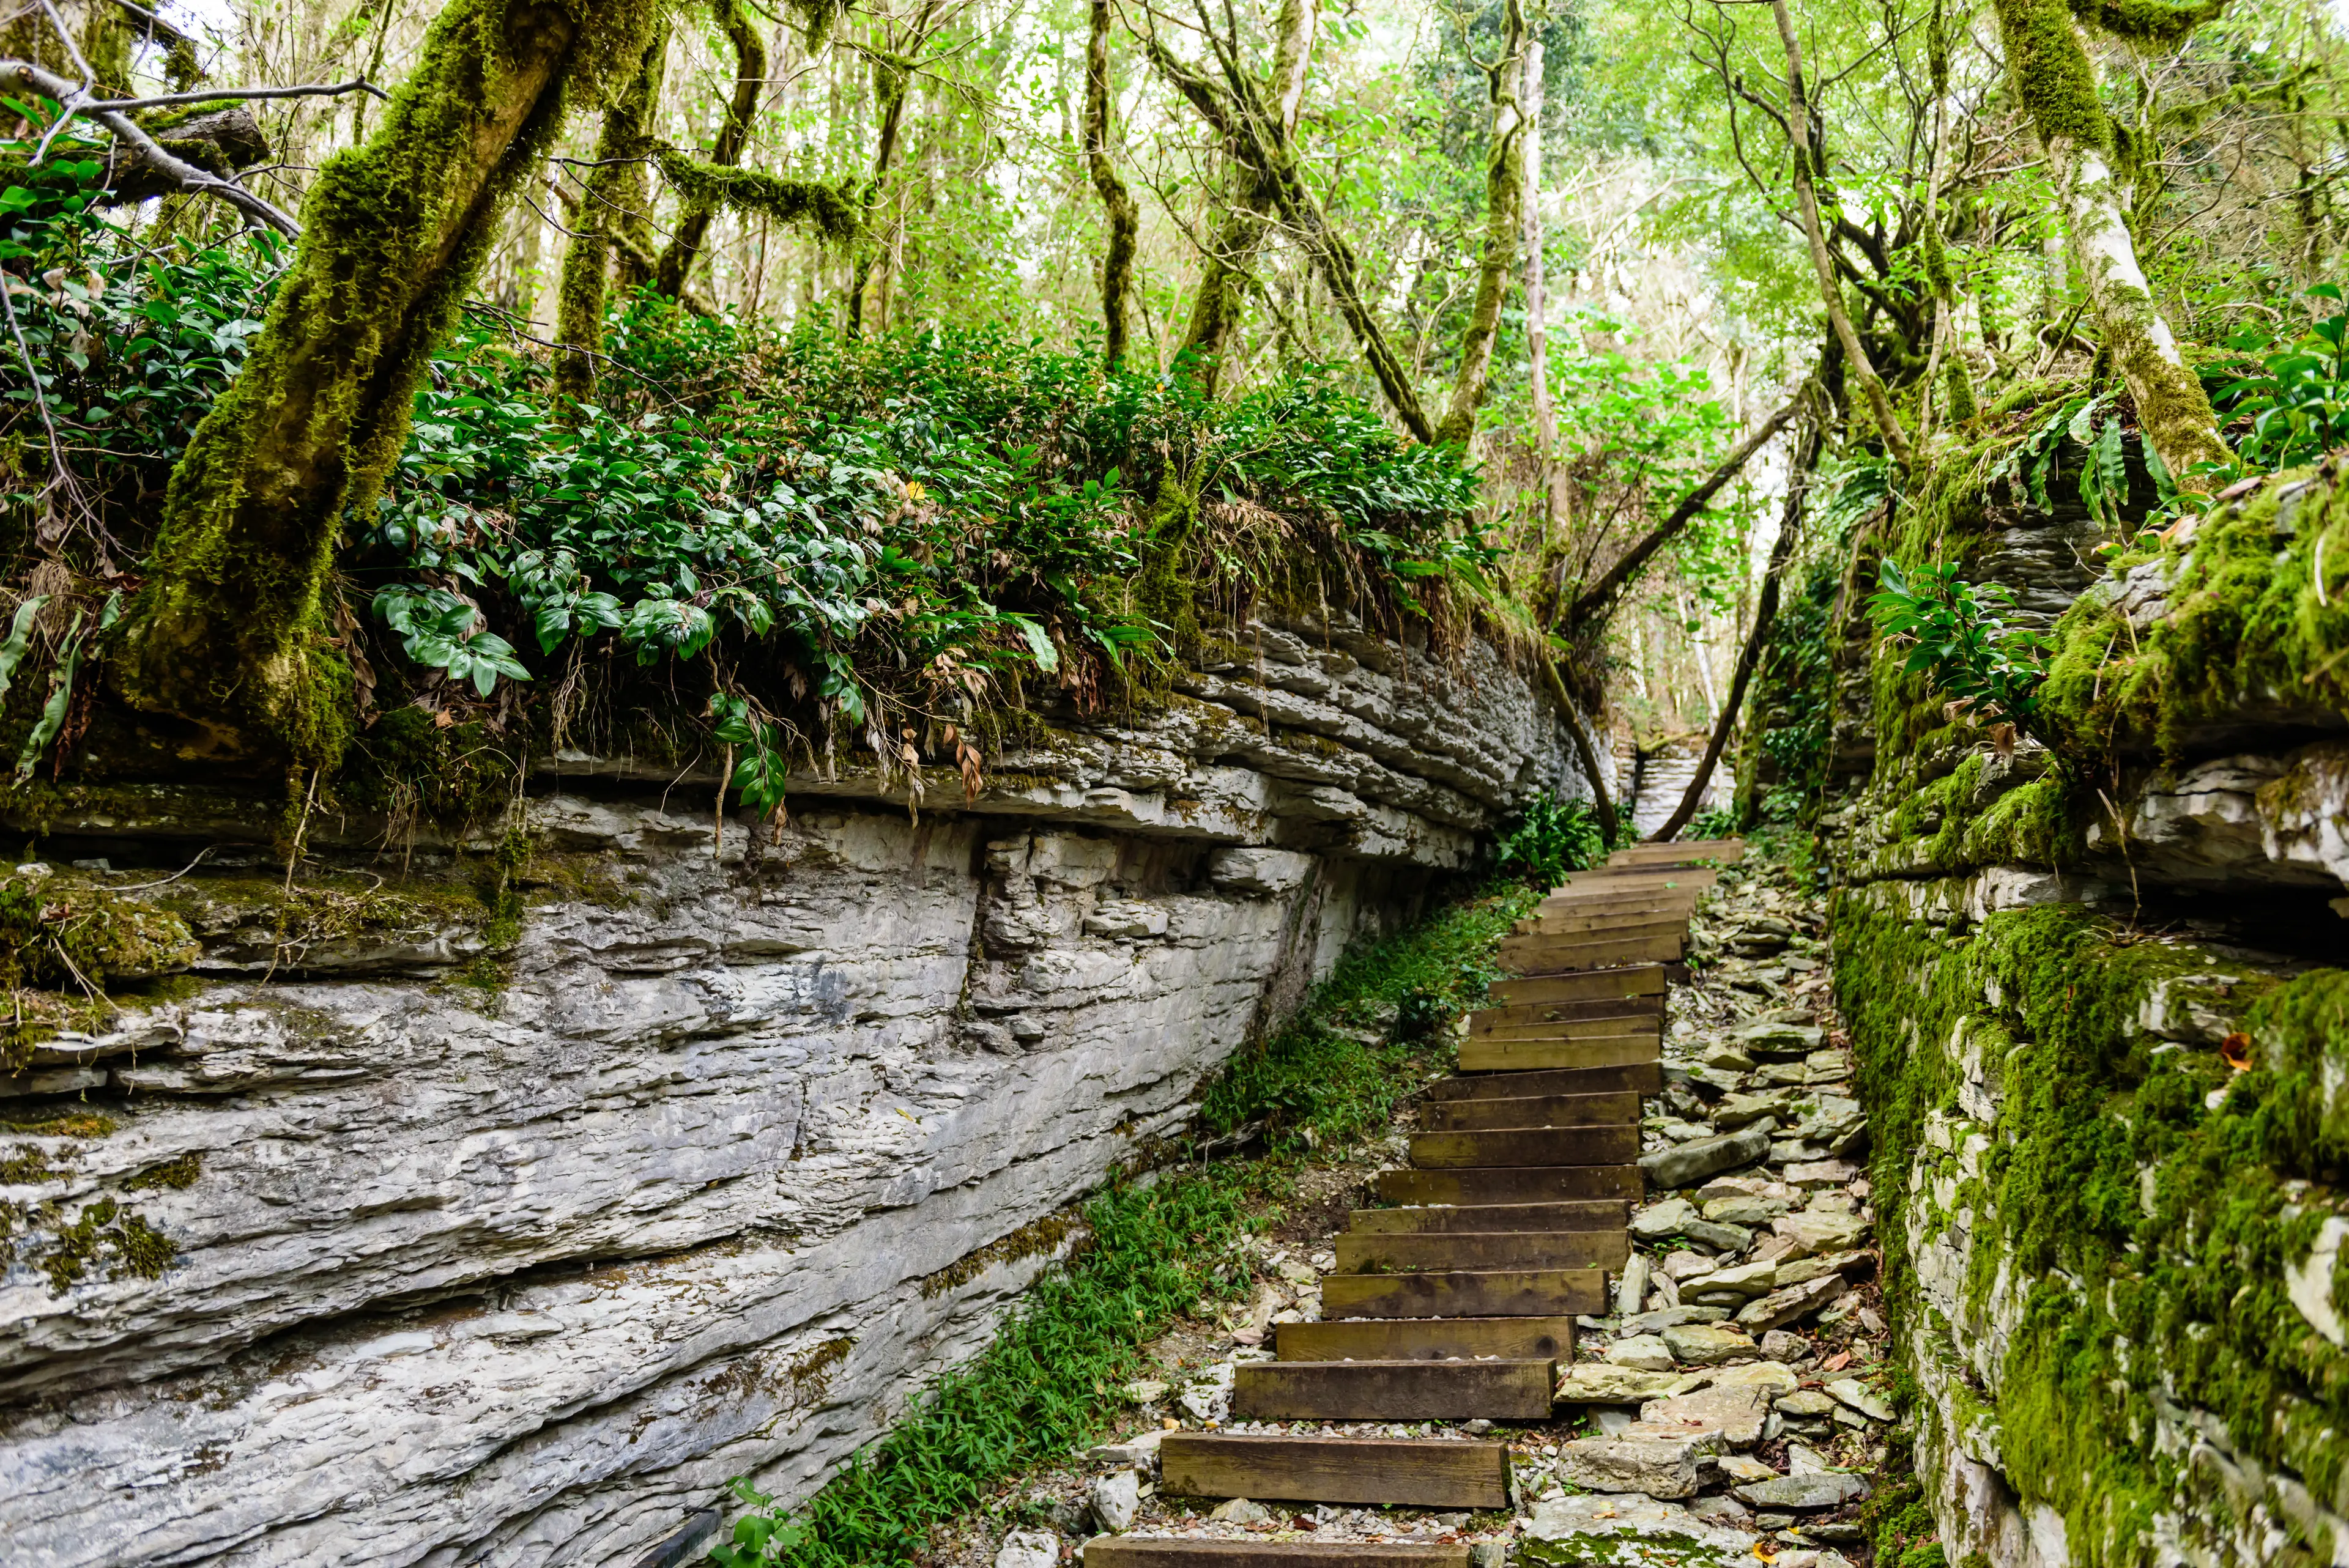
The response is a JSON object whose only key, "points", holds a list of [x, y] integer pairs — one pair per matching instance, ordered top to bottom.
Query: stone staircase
{"points": [[1458, 1302]]}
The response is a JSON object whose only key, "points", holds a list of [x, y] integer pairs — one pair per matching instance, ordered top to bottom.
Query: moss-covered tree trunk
{"points": [[890, 81], [2057, 83], [1505, 189], [1117, 201], [1806, 204], [684, 249], [587, 260], [1216, 310], [226, 644]]}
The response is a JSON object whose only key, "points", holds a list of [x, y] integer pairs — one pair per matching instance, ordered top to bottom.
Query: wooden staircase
{"points": [[1458, 1303]]}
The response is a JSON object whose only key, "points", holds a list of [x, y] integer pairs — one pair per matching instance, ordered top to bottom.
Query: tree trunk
{"points": [[890, 83], [2057, 85], [1237, 112], [1504, 187], [1117, 201], [1806, 203], [684, 248], [580, 298], [1538, 300], [1216, 310], [1766, 610], [229, 636]]}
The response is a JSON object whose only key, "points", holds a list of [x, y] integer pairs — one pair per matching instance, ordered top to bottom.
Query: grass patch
{"points": [[1365, 1039]]}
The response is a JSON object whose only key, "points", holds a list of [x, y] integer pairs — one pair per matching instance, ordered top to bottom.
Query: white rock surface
{"points": [[741, 1153]]}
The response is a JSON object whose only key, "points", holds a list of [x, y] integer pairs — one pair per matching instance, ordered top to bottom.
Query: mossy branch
{"points": [[828, 210]]}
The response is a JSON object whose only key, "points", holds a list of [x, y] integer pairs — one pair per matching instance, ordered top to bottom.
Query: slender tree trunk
{"points": [[2057, 85], [890, 86], [1237, 111], [1798, 128], [1505, 188], [1117, 201], [684, 248], [581, 296], [1537, 301], [1216, 309], [1596, 597], [1765, 611], [229, 636], [1584, 753]]}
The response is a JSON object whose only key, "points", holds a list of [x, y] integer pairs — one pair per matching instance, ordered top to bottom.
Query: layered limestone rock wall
{"points": [[2102, 1040], [397, 1231]]}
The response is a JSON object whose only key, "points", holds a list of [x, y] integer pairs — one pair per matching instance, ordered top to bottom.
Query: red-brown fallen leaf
{"points": [[2236, 1051], [1837, 1362]]}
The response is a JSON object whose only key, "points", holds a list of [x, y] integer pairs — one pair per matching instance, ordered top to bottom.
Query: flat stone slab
{"points": [[1733, 1412], [1656, 1464], [1822, 1489], [1559, 1527]]}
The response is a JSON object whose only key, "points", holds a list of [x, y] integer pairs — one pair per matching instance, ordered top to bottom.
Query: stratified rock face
{"points": [[521, 1262]]}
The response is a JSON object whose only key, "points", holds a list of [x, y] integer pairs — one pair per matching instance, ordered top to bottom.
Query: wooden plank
{"points": [[1728, 852], [1620, 877], [1612, 925], [1563, 954], [1643, 980], [1587, 1007], [1573, 1028], [1492, 1055], [1641, 1078], [1530, 1110], [1526, 1146], [1512, 1184], [1586, 1214], [1480, 1252], [1492, 1293], [1424, 1339], [1392, 1390], [1421, 1473], [1245, 1552]]}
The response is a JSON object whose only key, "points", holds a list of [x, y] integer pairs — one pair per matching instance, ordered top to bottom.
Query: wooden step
{"points": [[1727, 852], [1656, 875], [1618, 924], [1530, 955], [1642, 980], [1553, 1012], [1572, 1028], [1488, 1055], [1639, 1078], [1532, 1111], [1526, 1146], [1513, 1184], [1590, 1215], [1479, 1252], [1484, 1292], [1425, 1338], [1405, 1390], [1419, 1472], [1140, 1551]]}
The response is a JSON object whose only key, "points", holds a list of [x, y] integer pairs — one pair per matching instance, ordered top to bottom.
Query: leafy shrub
{"points": [[2289, 403], [1956, 636], [1554, 837]]}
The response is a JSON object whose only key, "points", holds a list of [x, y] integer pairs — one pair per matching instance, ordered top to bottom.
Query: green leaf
{"points": [[20, 633], [1040, 644]]}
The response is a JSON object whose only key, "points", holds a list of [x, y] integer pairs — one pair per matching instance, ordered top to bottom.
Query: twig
{"points": [[23, 75], [222, 95], [62, 476], [175, 876]]}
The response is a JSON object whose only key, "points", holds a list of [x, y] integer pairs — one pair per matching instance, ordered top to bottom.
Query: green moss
{"points": [[2051, 73], [2246, 625], [179, 1173], [2144, 1229], [106, 1235]]}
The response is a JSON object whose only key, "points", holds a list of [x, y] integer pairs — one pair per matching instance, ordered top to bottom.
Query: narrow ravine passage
{"points": [[1607, 1291]]}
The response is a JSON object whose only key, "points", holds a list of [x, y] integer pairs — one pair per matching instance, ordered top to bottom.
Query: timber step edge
{"points": [[1631, 980], [1484, 1054], [1637, 1077], [1530, 1110], [1526, 1146], [1513, 1184], [1587, 1215], [1454, 1252], [1481, 1293], [1426, 1338], [1399, 1390], [1421, 1473], [1140, 1551]]}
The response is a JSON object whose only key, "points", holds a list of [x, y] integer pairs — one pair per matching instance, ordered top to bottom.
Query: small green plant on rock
{"points": [[1957, 637], [1553, 838]]}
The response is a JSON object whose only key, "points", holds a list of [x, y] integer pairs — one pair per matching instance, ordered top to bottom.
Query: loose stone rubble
{"points": [[1730, 1408]]}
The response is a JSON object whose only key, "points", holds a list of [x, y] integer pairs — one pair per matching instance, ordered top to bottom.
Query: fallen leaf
{"points": [[2236, 1050], [1837, 1362]]}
